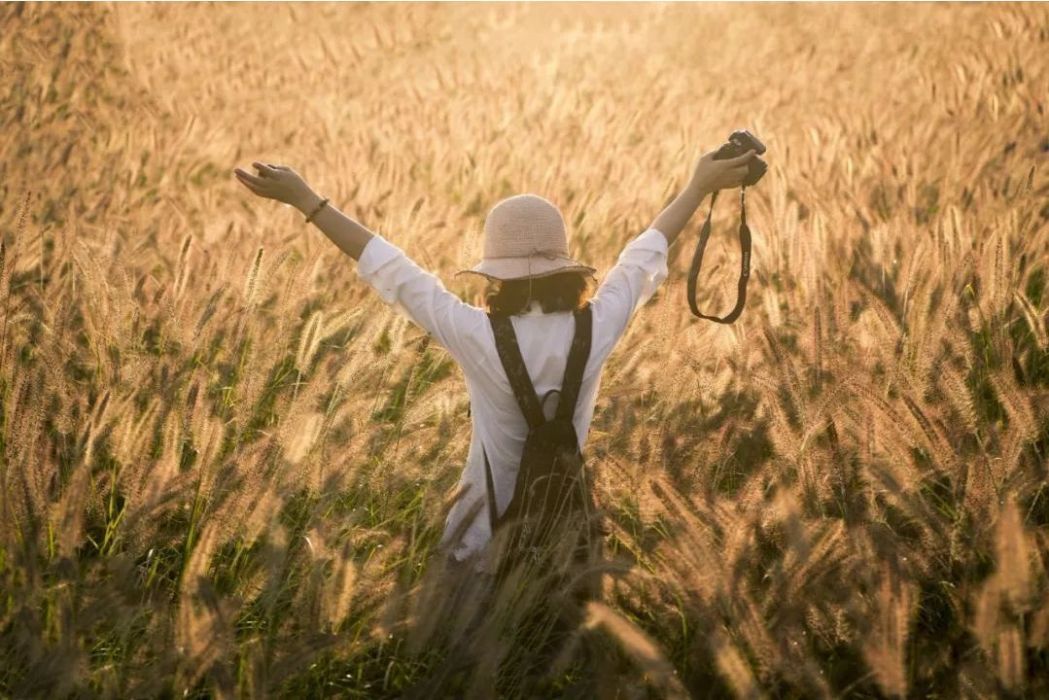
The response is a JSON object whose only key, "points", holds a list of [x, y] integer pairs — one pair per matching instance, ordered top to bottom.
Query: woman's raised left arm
{"points": [[708, 176]]}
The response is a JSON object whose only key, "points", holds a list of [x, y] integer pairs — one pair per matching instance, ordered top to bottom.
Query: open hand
{"points": [[713, 175], [275, 182]]}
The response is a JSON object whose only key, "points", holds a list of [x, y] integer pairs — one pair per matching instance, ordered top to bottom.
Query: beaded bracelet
{"points": [[317, 210]]}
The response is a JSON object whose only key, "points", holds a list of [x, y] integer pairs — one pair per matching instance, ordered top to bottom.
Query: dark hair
{"points": [[563, 291]]}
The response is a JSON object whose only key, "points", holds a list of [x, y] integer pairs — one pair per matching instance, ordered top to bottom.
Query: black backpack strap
{"points": [[744, 272], [577, 357], [516, 372], [489, 487]]}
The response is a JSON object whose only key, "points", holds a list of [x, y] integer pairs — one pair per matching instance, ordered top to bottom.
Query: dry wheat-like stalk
{"points": [[881, 400], [639, 646], [885, 648], [733, 666]]}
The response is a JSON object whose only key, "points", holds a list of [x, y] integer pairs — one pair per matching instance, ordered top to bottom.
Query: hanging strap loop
{"points": [[744, 272]]}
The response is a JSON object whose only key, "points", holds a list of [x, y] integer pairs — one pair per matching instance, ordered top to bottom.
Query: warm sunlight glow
{"points": [[226, 463]]}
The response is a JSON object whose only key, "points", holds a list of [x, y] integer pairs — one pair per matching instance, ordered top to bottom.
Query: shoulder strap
{"points": [[744, 272], [577, 358], [516, 372], [489, 488]]}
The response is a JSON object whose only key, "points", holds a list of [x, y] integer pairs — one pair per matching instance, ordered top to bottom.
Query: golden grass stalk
{"points": [[638, 646], [885, 647]]}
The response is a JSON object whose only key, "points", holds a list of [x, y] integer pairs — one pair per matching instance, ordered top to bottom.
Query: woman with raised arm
{"points": [[538, 287]]}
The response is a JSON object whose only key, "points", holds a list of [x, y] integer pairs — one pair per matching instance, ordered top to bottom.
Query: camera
{"points": [[739, 143]]}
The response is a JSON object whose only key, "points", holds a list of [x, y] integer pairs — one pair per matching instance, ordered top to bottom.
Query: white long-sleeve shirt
{"points": [[466, 333]]}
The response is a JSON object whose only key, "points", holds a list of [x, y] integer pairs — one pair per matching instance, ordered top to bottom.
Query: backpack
{"points": [[551, 489]]}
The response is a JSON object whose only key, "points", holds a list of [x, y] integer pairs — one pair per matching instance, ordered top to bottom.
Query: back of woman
{"points": [[525, 247], [535, 251]]}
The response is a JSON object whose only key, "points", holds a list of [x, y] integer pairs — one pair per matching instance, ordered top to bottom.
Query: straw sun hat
{"points": [[524, 237]]}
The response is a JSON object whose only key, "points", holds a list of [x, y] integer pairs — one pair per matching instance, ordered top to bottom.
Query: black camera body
{"points": [[739, 143]]}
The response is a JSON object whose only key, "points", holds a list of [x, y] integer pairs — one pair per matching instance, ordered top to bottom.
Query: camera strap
{"points": [[744, 271]]}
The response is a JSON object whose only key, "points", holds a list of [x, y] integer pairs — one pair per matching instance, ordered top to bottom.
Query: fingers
{"points": [[739, 160], [275, 168], [266, 169], [739, 174], [731, 178], [248, 179], [258, 186], [254, 190]]}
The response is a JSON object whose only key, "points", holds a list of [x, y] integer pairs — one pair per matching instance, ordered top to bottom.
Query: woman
{"points": [[534, 281]]}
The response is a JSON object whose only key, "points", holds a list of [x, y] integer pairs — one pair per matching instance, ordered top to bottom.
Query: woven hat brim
{"points": [[524, 268]]}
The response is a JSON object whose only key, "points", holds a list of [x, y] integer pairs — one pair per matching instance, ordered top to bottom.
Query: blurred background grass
{"points": [[226, 463]]}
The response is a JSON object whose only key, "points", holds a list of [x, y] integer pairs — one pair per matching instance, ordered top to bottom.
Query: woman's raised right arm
{"points": [[285, 185], [349, 235], [395, 276]]}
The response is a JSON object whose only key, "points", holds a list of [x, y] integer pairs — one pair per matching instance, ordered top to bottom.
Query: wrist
{"points": [[697, 187], [307, 201]]}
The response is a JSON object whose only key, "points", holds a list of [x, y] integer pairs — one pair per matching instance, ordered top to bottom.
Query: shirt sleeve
{"points": [[632, 281], [420, 295]]}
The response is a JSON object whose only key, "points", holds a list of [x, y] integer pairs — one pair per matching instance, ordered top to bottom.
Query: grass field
{"points": [[226, 464]]}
